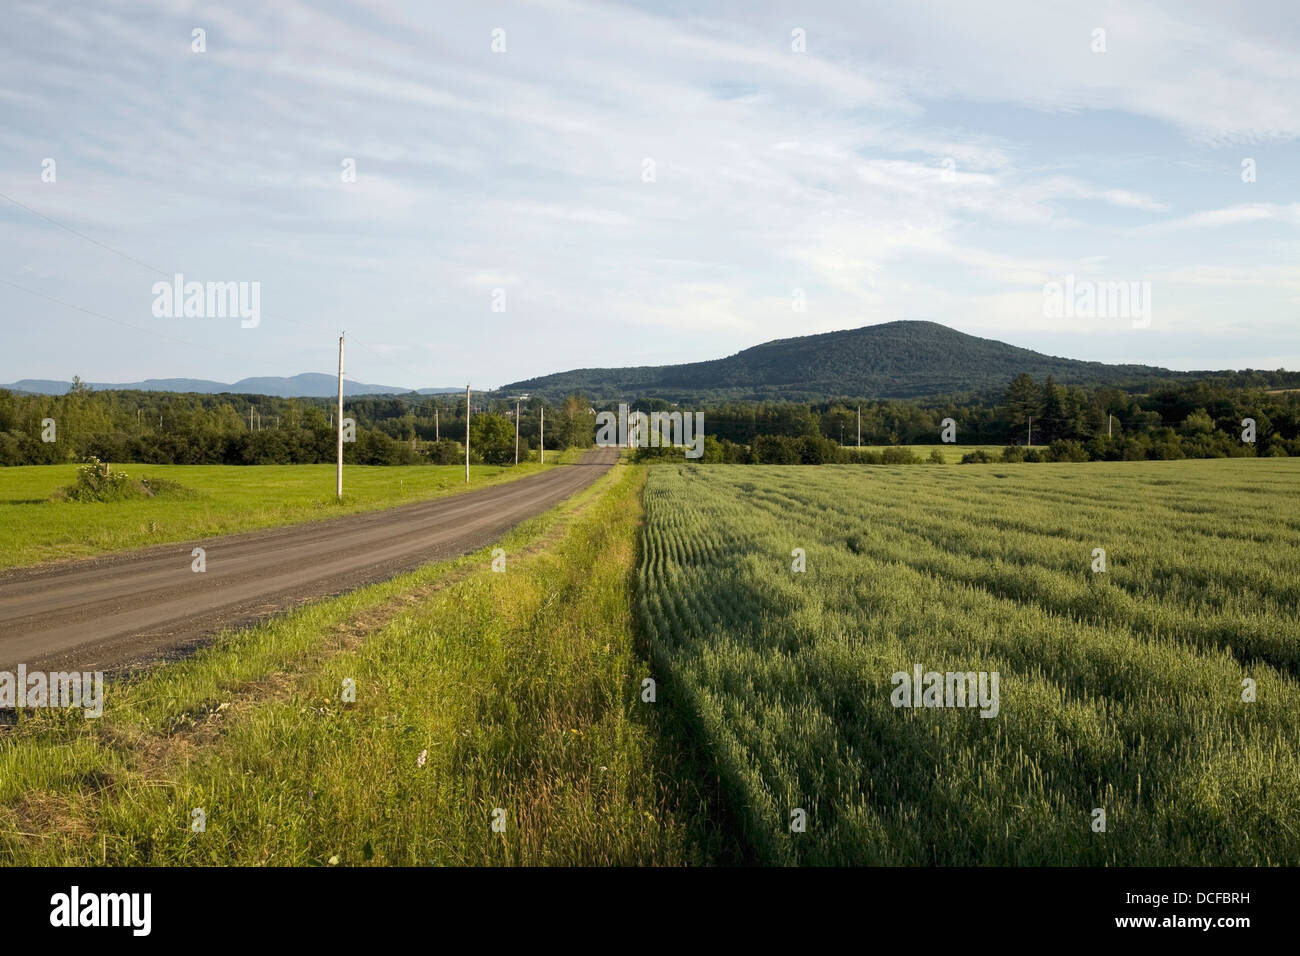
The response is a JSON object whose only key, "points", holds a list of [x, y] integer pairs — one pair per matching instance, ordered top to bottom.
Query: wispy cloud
{"points": [[647, 182]]}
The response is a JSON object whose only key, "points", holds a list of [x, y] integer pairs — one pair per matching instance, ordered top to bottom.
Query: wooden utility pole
{"points": [[1108, 418], [435, 422], [859, 426], [516, 431], [541, 431], [1031, 431], [466, 434], [339, 468]]}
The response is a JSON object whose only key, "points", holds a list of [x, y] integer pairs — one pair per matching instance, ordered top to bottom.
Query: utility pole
{"points": [[250, 418], [1108, 418], [435, 422], [859, 426], [516, 431], [541, 431], [1031, 431], [466, 434], [339, 469]]}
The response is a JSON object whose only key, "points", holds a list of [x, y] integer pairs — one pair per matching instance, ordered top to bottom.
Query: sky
{"points": [[487, 192]]}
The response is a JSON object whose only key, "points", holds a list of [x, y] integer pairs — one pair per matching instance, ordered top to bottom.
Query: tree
{"points": [[1022, 402], [1055, 415], [1198, 422], [579, 425], [492, 438]]}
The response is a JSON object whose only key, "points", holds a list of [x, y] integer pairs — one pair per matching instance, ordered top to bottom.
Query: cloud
{"points": [[927, 160], [1242, 213]]}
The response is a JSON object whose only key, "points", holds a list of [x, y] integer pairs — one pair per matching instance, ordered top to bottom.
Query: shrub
{"points": [[775, 450], [815, 450], [1065, 450], [448, 451], [898, 455], [977, 457], [96, 481], [165, 488]]}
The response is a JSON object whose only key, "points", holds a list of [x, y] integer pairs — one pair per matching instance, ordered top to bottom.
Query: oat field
{"points": [[1125, 691]]}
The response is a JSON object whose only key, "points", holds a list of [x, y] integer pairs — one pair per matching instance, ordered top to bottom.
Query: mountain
{"points": [[893, 360], [306, 385]]}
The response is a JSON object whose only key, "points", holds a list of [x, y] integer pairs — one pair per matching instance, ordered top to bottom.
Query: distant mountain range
{"points": [[893, 360], [306, 385]]}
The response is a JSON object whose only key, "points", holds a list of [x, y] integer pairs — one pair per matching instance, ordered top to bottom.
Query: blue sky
{"points": [[522, 171]]}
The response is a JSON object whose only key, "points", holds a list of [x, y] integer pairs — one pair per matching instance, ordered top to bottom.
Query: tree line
{"points": [[1195, 419], [1048, 421], [192, 428]]}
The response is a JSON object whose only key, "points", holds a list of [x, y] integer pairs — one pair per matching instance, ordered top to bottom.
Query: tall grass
{"points": [[1120, 691]]}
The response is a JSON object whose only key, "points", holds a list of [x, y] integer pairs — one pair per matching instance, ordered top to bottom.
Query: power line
{"points": [[82, 235], [160, 272]]}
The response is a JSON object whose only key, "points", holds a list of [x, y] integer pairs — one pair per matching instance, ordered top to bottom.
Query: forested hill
{"points": [[894, 360]]}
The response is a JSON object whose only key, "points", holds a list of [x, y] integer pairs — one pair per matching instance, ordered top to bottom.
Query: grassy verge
{"points": [[228, 499], [474, 691]]}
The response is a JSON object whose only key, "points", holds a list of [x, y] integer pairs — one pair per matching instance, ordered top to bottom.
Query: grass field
{"points": [[229, 498], [474, 691], [521, 691], [1120, 691]]}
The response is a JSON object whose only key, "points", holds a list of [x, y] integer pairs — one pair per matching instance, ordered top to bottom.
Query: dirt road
{"points": [[120, 610]]}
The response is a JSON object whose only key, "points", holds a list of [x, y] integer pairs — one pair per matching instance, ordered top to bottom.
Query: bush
{"points": [[775, 450], [815, 450], [1065, 450], [448, 451], [1013, 453], [898, 455], [855, 456], [978, 457], [937, 458], [96, 481], [166, 488]]}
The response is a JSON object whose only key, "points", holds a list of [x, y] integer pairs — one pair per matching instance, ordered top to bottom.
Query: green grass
{"points": [[229, 498], [521, 690], [1120, 691]]}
